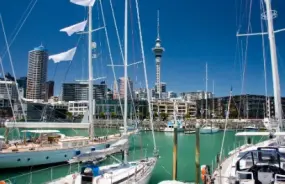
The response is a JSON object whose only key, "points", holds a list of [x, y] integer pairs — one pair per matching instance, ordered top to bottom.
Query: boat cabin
{"points": [[264, 165]]}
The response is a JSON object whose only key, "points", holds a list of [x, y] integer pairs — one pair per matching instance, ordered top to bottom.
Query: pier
{"points": [[234, 124], [189, 125]]}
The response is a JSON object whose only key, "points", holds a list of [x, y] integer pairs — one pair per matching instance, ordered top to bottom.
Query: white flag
{"points": [[83, 2], [75, 28], [64, 56]]}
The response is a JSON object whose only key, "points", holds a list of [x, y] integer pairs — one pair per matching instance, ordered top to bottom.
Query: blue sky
{"points": [[192, 33]]}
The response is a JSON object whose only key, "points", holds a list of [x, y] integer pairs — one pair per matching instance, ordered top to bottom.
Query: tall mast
{"points": [[275, 74], [126, 75], [90, 81], [206, 95], [213, 101]]}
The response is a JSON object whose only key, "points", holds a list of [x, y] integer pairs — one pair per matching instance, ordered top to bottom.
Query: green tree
{"points": [[233, 112], [69, 115], [102, 115], [113, 115], [155, 115], [80, 116], [163, 116], [187, 116]]}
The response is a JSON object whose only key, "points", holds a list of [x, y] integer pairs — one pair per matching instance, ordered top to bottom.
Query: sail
{"points": [[83, 2], [75, 28], [64, 56]]}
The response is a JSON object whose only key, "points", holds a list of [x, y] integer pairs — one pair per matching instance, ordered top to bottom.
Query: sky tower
{"points": [[158, 50]]}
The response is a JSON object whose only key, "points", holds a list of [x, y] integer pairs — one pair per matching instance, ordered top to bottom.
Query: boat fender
{"points": [[204, 173]]}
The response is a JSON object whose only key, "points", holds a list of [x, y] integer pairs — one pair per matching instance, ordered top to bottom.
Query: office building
{"points": [[37, 73], [49, 89], [120, 89], [79, 91], [189, 96], [167, 106]]}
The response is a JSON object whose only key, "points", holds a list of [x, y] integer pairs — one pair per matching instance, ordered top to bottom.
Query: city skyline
{"points": [[185, 57]]}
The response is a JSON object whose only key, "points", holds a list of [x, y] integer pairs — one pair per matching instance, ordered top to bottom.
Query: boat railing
{"points": [[44, 175], [279, 177]]}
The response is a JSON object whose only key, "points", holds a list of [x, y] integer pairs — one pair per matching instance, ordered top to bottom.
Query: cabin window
{"points": [[65, 155], [47, 157], [28, 159], [19, 160]]}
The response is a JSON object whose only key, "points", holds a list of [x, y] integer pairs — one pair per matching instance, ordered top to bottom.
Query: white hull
{"points": [[167, 129], [209, 130], [33, 158], [137, 172]]}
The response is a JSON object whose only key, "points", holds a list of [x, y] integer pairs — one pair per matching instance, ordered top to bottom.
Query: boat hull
{"points": [[167, 129], [208, 130], [35, 158], [137, 172]]}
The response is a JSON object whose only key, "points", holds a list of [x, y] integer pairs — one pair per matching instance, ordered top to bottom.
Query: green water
{"points": [[142, 145]]}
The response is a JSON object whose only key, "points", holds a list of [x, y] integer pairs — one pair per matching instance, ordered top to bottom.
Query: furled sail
{"points": [[83, 2], [75, 28], [64, 56]]}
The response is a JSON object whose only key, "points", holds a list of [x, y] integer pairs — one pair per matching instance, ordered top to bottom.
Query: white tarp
{"points": [[83, 2], [75, 28], [64, 56]]}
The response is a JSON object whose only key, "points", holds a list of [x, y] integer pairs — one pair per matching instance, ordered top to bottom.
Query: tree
{"points": [[233, 112], [69, 115], [102, 115], [113, 115], [155, 115], [163, 116], [187, 116]]}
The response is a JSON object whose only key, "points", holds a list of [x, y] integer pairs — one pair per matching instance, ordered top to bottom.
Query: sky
{"points": [[193, 33]]}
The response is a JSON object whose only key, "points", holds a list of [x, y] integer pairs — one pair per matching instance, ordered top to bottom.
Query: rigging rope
{"points": [[12, 41], [110, 55], [122, 55], [264, 55], [13, 71], [145, 75]]}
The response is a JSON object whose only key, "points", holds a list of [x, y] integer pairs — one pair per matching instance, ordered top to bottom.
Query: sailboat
{"points": [[206, 129], [50, 146], [262, 163], [138, 171]]}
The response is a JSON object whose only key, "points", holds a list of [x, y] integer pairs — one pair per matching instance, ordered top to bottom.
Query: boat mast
{"points": [[275, 74], [126, 75], [90, 81], [206, 95]]}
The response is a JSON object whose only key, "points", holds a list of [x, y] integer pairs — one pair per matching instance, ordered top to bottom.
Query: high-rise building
{"points": [[158, 50], [37, 73], [121, 88], [49, 89], [79, 91]]}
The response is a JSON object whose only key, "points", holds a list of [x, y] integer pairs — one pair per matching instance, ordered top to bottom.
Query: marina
{"points": [[104, 117], [140, 145]]}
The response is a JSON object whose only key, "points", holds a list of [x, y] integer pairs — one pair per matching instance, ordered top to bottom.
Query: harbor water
{"points": [[141, 145]]}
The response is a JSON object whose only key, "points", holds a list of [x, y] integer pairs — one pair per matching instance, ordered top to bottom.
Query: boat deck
{"points": [[21, 147], [227, 170]]}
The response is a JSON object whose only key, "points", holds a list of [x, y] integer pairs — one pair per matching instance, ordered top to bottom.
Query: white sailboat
{"points": [[206, 129], [50, 146], [262, 163], [138, 171]]}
